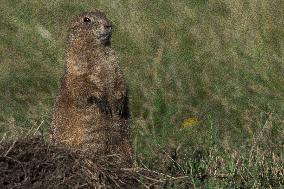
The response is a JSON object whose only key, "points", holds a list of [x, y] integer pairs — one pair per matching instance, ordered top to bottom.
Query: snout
{"points": [[108, 28], [108, 31], [105, 33]]}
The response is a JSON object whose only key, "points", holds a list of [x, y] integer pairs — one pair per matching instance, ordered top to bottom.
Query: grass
{"points": [[218, 62]]}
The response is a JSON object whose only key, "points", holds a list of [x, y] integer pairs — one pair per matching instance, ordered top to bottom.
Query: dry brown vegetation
{"points": [[32, 163]]}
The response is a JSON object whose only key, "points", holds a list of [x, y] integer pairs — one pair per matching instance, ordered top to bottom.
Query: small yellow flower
{"points": [[190, 122]]}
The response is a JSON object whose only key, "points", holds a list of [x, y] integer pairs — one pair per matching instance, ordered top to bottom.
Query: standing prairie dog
{"points": [[91, 111]]}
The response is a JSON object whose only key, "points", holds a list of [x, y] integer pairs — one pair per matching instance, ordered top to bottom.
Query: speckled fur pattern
{"points": [[91, 111]]}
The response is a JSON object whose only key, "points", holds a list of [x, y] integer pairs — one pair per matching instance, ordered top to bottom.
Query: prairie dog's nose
{"points": [[108, 27]]}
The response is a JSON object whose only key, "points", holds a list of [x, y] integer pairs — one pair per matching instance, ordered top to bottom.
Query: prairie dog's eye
{"points": [[86, 19]]}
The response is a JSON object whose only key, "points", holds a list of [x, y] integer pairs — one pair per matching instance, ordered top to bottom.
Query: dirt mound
{"points": [[33, 163]]}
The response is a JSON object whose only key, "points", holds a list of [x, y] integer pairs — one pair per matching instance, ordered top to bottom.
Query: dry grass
{"points": [[32, 163]]}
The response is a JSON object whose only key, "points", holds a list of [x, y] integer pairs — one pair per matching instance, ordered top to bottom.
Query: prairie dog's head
{"points": [[90, 28]]}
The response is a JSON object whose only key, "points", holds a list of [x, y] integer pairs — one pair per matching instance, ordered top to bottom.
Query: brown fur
{"points": [[91, 110]]}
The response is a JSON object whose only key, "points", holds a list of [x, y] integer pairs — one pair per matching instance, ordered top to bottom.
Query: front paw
{"points": [[102, 104]]}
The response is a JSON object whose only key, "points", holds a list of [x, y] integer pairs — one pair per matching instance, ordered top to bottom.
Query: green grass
{"points": [[220, 62]]}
